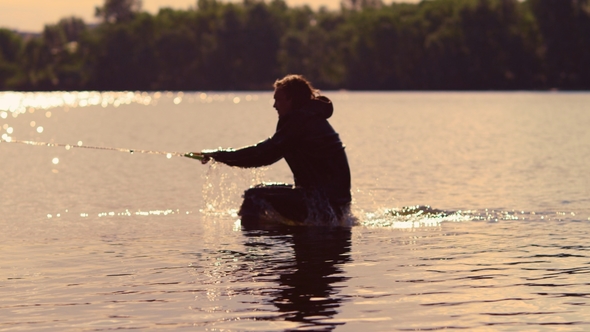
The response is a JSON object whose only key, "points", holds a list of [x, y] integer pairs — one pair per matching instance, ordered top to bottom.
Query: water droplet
{"points": [[236, 100], [48, 114], [33, 123], [39, 129], [9, 130], [79, 143], [68, 147], [169, 155], [55, 161]]}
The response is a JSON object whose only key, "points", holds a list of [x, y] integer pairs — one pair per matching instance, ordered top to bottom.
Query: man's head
{"points": [[292, 92]]}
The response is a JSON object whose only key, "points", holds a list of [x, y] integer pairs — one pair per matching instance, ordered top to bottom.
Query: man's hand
{"points": [[207, 155], [198, 156], [204, 156], [205, 159]]}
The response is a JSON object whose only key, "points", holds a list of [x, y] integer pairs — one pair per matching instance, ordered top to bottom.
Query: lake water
{"points": [[95, 240]]}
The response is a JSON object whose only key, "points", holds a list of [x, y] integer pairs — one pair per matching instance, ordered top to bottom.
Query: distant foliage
{"points": [[118, 11], [366, 45]]}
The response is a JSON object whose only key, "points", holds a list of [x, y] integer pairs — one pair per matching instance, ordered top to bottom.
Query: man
{"points": [[311, 148]]}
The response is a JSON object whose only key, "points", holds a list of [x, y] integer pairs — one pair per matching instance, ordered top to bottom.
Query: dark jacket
{"points": [[310, 146]]}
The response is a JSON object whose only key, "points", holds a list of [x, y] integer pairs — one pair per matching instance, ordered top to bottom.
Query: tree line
{"points": [[365, 45]]}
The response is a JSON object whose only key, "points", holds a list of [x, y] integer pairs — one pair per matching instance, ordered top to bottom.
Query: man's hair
{"points": [[297, 88]]}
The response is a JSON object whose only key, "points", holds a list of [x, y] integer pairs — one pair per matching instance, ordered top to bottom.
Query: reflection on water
{"points": [[16, 103], [172, 272], [309, 282]]}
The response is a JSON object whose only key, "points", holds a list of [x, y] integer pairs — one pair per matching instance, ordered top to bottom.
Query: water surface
{"points": [[97, 240]]}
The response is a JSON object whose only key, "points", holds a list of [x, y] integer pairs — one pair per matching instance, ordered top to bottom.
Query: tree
{"points": [[360, 4], [117, 11], [72, 28], [565, 28], [262, 33], [11, 45], [225, 45], [177, 50], [382, 50], [499, 56], [36, 65]]}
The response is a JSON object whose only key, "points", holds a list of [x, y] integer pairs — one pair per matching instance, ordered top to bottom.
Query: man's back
{"points": [[314, 151]]}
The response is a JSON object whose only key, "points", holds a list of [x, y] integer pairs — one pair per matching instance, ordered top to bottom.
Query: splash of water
{"points": [[223, 188]]}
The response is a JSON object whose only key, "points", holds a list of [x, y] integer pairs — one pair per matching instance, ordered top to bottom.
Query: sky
{"points": [[33, 15]]}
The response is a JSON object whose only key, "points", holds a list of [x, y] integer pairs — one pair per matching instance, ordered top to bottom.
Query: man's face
{"points": [[282, 104]]}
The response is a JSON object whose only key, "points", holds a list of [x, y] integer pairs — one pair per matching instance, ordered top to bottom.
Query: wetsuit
{"points": [[314, 153]]}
